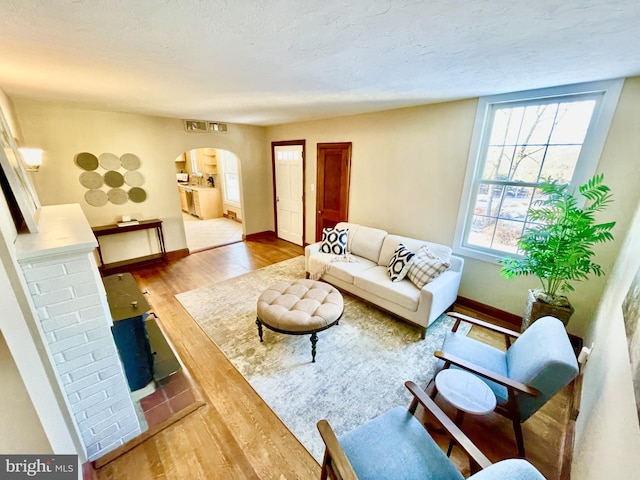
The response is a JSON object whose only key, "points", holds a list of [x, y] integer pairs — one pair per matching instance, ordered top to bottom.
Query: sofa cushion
{"points": [[334, 240], [364, 241], [391, 242], [400, 262], [426, 267], [345, 271], [377, 282]]}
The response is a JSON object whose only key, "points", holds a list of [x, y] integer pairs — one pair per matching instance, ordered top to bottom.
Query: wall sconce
{"points": [[32, 158]]}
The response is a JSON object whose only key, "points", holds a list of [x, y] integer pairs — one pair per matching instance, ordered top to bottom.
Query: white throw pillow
{"points": [[400, 262], [426, 267]]}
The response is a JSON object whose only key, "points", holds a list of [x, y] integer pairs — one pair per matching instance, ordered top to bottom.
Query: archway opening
{"points": [[210, 197]]}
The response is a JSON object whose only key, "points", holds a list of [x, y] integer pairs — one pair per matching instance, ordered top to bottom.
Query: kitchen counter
{"points": [[197, 187]]}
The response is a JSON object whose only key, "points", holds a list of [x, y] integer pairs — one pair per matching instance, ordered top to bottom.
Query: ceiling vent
{"points": [[204, 126], [217, 127]]}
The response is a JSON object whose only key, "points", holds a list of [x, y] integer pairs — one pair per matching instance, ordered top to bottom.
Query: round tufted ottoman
{"points": [[299, 307]]}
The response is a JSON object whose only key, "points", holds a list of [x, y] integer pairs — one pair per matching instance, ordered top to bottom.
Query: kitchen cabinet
{"points": [[183, 200], [203, 202], [207, 203]]}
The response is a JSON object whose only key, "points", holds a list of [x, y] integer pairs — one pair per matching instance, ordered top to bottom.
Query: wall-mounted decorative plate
{"points": [[86, 161], [109, 161], [130, 161], [91, 179], [113, 179], [133, 179], [137, 195], [117, 196], [96, 198]]}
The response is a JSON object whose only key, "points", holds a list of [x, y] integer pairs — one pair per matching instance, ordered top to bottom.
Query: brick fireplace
{"points": [[74, 323]]}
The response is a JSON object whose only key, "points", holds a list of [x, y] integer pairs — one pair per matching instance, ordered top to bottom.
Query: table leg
{"points": [[259, 323], [314, 340], [458, 422]]}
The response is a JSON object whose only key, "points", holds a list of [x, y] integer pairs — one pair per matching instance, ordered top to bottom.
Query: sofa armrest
{"points": [[309, 250], [441, 293]]}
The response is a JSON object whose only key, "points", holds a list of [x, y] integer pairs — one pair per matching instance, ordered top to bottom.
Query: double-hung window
{"points": [[519, 141], [231, 178]]}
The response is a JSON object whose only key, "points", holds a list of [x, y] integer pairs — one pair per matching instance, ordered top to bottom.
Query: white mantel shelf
{"points": [[61, 229]]}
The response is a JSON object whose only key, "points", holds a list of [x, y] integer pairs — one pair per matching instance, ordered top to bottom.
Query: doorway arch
{"points": [[210, 190]]}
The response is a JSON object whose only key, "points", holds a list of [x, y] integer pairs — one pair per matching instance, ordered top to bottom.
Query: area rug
{"points": [[361, 363]]}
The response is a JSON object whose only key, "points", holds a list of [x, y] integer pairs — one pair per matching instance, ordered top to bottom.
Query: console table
{"points": [[124, 265]]}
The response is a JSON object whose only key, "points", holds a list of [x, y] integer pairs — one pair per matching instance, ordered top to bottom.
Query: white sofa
{"points": [[366, 275]]}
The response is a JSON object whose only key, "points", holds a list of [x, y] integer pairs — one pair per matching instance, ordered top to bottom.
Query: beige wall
{"points": [[63, 131], [408, 168], [607, 430], [22, 431]]}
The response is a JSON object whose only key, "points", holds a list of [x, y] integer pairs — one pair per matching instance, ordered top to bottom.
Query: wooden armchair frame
{"points": [[514, 388], [336, 465]]}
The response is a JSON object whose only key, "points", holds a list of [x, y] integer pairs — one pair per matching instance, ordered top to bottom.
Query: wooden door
{"points": [[288, 171], [332, 194]]}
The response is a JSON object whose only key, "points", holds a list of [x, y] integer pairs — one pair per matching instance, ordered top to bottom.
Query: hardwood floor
{"points": [[236, 435]]}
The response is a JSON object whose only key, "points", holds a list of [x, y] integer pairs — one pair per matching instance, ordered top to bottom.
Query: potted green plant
{"points": [[558, 246]]}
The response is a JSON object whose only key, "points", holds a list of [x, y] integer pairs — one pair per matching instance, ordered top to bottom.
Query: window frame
{"points": [[609, 92]]}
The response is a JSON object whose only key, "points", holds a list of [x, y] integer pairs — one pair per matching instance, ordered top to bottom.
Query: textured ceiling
{"points": [[267, 62]]}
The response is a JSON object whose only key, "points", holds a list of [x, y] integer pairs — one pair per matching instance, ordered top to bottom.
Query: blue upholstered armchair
{"points": [[533, 369], [396, 446]]}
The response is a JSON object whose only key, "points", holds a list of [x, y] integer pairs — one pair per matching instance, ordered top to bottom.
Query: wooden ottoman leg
{"points": [[259, 323], [314, 340]]}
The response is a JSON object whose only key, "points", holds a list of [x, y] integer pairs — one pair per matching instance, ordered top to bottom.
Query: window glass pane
{"points": [[572, 122], [537, 124], [506, 125], [560, 162], [498, 163], [527, 163], [515, 203], [482, 229], [506, 235]]}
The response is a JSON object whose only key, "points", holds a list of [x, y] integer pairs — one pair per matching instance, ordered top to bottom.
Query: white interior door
{"points": [[288, 164]]}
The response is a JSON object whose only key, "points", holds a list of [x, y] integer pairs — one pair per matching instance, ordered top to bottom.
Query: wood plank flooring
{"points": [[236, 435]]}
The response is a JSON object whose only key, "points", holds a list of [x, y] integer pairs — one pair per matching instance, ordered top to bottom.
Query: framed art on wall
{"points": [[22, 190], [631, 314]]}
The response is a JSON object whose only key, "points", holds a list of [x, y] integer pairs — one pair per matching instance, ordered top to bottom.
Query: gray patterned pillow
{"points": [[334, 241], [399, 263], [426, 267]]}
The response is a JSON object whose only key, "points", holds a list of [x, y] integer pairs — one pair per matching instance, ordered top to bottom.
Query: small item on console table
{"points": [[128, 222]]}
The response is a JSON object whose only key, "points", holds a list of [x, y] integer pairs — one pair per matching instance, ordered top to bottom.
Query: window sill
{"points": [[483, 255]]}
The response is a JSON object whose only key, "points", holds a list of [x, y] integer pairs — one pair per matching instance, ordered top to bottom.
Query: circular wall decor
{"points": [[86, 161], [109, 161], [130, 161], [113, 179], [133, 179], [91, 180], [137, 195], [117, 196], [96, 198]]}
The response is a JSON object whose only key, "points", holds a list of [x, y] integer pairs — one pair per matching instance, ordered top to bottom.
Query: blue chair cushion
{"points": [[482, 355], [543, 358], [395, 446], [512, 469]]}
